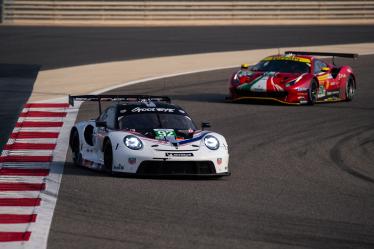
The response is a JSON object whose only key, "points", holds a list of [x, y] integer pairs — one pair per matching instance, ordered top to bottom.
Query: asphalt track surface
{"points": [[30, 48], [16, 83], [302, 177]]}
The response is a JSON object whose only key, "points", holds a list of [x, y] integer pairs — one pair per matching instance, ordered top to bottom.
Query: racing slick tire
{"points": [[350, 89], [313, 92], [75, 147], [108, 157]]}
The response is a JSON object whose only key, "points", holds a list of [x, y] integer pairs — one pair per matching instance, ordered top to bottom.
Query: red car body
{"points": [[294, 78]]}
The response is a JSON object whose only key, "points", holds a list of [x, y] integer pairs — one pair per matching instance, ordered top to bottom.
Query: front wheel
{"points": [[350, 89], [313, 93], [75, 148], [108, 157]]}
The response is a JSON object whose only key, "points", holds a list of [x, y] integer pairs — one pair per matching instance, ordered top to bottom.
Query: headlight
{"points": [[235, 80], [133, 142], [211, 142]]}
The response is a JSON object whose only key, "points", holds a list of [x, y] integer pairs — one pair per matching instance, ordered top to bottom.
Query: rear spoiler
{"points": [[345, 55], [353, 56], [127, 98]]}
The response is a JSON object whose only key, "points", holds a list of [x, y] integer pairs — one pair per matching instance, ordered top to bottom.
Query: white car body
{"points": [[167, 156]]}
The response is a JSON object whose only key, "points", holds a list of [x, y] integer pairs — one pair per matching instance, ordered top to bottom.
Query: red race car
{"points": [[295, 78]]}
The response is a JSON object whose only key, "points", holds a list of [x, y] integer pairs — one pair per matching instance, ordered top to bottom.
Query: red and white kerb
{"points": [[25, 165]]}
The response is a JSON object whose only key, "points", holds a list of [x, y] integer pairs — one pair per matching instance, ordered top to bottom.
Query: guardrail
{"points": [[1, 11], [122, 12]]}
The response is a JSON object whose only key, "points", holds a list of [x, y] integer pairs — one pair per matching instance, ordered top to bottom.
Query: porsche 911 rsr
{"points": [[294, 78], [147, 135]]}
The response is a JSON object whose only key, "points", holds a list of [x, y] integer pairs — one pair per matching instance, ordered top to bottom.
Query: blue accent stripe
{"points": [[193, 139]]}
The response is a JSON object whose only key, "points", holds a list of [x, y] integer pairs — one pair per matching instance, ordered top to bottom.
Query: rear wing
{"points": [[345, 55], [353, 56], [126, 98]]}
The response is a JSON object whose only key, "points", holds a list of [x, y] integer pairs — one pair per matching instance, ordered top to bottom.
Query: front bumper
{"points": [[288, 98], [150, 161], [190, 168]]}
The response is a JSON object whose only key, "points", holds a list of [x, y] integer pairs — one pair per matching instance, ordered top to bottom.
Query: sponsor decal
{"points": [[287, 58], [342, 76], [260, 84], [301, 89], [321, 91], [332, 93], [153, 109], [170, 154], [132, 160], [219, 161], [120, 167]]}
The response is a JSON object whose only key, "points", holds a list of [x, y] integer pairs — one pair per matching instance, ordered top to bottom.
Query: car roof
{"points": [[126, 108]]}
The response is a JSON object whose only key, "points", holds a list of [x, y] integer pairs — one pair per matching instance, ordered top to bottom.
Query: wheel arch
{"points": [[316, 80]]}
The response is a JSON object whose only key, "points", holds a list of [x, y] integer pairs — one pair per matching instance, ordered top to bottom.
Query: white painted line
{"points": [[44, 109], [40, 119], [37, 129], [36, 140], [27, 152], [25, 165], [21, 179], [20, 194], [18, 210], [23, 227], [12, 245]]}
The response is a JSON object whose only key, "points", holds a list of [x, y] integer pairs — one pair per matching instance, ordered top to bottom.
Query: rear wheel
{"points": [[350, 89], [313, 93], [75, 148], [108, 156]]}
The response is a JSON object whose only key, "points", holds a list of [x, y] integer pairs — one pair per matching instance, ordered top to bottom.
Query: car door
{"points": [[324, 77], [108, 116]]}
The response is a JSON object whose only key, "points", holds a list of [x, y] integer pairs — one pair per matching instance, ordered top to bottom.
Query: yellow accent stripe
{"points": [[284, 58], [323, 77], [265, 98], [333, 100]]}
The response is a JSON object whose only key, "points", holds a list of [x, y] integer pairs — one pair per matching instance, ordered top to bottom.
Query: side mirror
{"points": [[244, 66], [325, 69], [101, 124], [205, 125]]}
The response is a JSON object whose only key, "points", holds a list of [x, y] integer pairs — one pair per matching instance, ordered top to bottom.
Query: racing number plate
{"points": [[163, 133]]}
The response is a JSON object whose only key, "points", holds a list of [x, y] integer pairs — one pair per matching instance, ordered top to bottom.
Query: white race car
{"points": [[146, 135]]}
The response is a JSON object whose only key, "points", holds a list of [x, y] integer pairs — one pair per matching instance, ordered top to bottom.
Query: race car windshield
{"points": [[283, 66], [149, 121]]}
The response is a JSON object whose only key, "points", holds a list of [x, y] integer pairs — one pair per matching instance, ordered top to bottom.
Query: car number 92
{"points": [[163, 133]]}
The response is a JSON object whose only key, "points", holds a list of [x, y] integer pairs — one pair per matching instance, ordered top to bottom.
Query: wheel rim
{"points": [[350, 89]]}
